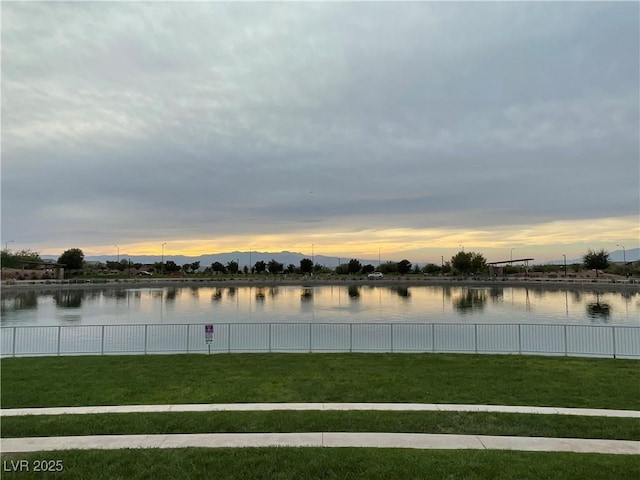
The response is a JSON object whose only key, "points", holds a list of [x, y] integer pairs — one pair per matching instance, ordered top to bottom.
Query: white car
{"points": [[375, 275]]}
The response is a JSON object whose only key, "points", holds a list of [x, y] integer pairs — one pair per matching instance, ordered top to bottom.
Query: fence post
{"points": [[188, 325], [59, 327], [475, 334], [229, 337], [269, 337], [351, 337], [391, 337], [145, 338], [433, 338], [310, 339], [613, 339], [519, 340], [14, 341], [102, 341], [565, 342]]}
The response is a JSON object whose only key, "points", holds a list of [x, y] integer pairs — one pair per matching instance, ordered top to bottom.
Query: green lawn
{"points": [[353, 377], [234, 378], [332, 421], [331, 463]]}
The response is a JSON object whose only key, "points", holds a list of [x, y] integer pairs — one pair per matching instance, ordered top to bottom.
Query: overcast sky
{"points": [[411, 128]]}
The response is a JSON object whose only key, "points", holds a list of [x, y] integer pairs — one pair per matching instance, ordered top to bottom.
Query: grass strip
{"points": [[354, 377], [293, 421], [330, 463]]}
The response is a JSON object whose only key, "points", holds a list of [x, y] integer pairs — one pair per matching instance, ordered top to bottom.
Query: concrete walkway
{"points": [[246, 407], [319, 439]]}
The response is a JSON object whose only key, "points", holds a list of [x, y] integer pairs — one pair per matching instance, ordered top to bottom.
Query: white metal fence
{"points": [[538, 339]]}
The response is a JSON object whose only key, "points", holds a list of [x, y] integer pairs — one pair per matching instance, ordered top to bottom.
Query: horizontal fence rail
{"points": [[529, 339]]}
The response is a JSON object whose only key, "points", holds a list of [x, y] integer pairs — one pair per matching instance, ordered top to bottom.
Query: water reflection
{"points": [[402, 291], [171, 294], [307, 294], [496, 294], [120, 295], [217, 295], [69, 298], [470, 299], [21, 301], [343, 303], [599, 310]]}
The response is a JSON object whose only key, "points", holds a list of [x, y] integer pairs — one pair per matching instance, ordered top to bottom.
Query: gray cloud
{"points": [[144, 120]]}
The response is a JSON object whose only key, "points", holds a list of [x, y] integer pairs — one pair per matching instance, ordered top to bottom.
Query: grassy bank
{"points": [[235, 378], [310, 421], [334, 463]]}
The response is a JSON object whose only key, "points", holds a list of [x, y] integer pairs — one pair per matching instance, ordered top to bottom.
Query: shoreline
{"points": [[573, 284]]}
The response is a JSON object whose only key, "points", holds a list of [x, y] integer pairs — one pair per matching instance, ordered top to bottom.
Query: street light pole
{"points": [[6, 245], [624, 254], [118, 260], [162, 262], [511, 263], [565, 265]]}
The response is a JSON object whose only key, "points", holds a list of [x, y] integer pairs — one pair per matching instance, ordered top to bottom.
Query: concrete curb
{"points": [[244, 407], [319, 439]]}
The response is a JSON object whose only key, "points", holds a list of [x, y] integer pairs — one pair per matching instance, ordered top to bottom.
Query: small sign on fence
{"points": [[208, 333], [208, 336]]}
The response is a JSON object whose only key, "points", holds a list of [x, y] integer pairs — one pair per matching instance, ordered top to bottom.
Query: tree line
{"points": [[462, 263]]}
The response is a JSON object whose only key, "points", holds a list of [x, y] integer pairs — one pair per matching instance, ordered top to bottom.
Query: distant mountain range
{"points": [[243, 258]]}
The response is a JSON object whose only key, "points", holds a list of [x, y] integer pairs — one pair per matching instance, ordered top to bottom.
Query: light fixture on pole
{"points": [[6, 245], [624, 254], [162, 262]]}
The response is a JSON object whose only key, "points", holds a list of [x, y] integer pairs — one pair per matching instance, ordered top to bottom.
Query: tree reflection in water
{"points": [[401, 291], [354, 292], [172, 293], [307, 294], [217, 295], [69, 298], [470, 299], [20, 301], [599, 310]]}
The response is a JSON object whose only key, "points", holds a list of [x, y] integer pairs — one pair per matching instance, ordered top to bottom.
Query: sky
{"points": [[406, 130]]}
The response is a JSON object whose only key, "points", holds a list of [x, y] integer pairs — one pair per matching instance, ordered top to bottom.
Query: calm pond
{"points": [[320, 304]]}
